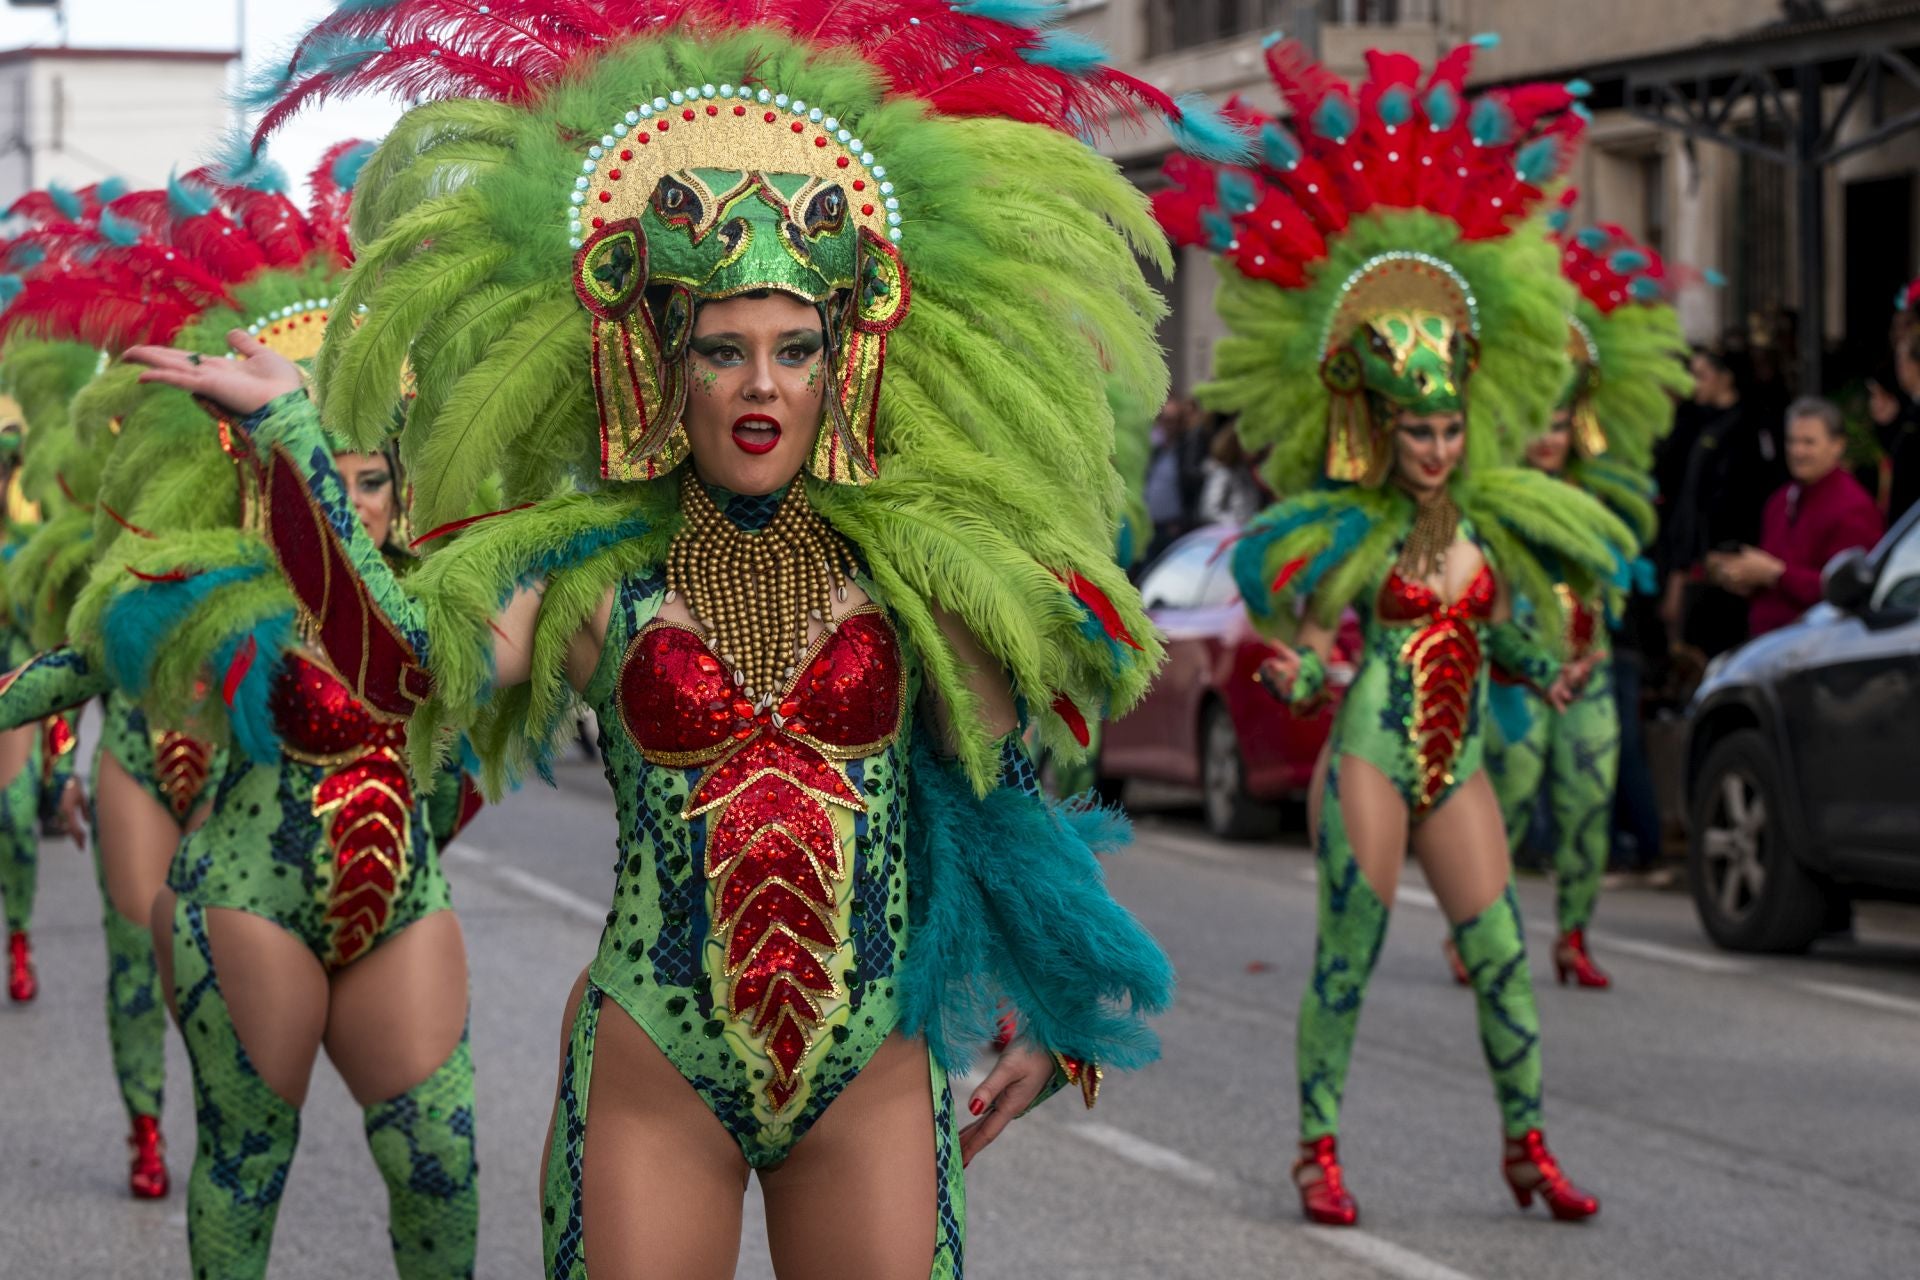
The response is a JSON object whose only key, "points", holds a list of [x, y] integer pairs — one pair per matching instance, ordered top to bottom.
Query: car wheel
{"points": [[1230, 812], [1748, 885]]}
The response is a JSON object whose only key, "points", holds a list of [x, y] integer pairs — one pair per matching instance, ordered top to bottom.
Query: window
{"points": [[1361, 13], [1182, 24]]}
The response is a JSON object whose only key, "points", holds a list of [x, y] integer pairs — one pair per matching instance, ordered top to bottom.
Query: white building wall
{"points": [[80, 116]]}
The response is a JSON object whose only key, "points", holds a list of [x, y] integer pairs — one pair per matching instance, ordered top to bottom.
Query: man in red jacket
{"points": [[1819, 513]]}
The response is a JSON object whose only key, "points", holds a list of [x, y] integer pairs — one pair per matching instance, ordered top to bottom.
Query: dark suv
{"points": [[1803, 760]]}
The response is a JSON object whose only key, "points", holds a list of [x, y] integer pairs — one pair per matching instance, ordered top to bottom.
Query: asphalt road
{"points": [[1740, 1117]]}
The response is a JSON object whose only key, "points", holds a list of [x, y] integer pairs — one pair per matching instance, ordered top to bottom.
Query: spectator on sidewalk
{"points": [[1901, 438], [1733, 466], [1228, 493], [1819, 513]]}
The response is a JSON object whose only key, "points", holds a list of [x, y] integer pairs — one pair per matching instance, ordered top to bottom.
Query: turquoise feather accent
{"points": [[1015, 13], [1485, 40], [1066, 51], [1396, 105], [1443, 106], [1334, 119], [1491, 123], [1202, 130], [1280, 147], [1537, 160], [237, 162], [347, 167], [110, 189], [1236, 190], [66, 200], [186, 200], [118, 229], [1219, 230], [1628, 261], [11, 287], [1349, 531], [137, 623], [1512, 710], [249, 713], [1015, 912]]}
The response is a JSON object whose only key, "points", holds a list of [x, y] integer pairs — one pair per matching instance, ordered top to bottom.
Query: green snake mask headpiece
{"points": [[1401, 340]]}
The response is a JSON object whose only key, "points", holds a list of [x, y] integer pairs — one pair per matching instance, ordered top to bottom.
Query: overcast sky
{"points": [[271, 28]]}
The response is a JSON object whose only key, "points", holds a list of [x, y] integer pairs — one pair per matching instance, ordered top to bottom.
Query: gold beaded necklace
{"points": [[1424, 554], [755, 594]]}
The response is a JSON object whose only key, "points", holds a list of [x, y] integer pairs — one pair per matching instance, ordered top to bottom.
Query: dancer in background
{"points": [[1392, 316], [1629, 362], [309, 910]]}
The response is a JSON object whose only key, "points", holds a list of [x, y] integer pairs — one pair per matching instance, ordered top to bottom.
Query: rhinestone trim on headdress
{"points": [[826, 148]]}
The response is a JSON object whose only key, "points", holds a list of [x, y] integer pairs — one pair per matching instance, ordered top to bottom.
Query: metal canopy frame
{"points": [[1778, 80]]}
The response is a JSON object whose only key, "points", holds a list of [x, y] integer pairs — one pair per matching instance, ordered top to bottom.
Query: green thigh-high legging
{"points": [[1574, 757], [20, 841], [1352, 927], [136, 1020], [422, 1142], [563, 1195]]}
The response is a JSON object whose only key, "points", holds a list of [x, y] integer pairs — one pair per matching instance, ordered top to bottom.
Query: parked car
{"points": [[1206, 723], [1803, 760]]}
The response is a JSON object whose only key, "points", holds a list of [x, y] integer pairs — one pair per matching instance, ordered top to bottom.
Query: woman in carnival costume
{"points": [[816, 304], [1389, 319], [1629, 362], [36, 760], [147, 784], [309, 910]]}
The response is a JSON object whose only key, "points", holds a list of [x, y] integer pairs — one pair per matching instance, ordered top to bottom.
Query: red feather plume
{"points": [[511, 50], [1398, 141]]}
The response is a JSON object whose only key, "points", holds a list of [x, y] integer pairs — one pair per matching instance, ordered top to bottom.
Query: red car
{"points": [[1206, 722]]}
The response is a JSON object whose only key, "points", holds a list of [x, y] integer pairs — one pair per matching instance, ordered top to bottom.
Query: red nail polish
{"points": [[977, 1106]]}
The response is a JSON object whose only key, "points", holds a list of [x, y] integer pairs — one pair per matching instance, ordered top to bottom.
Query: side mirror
{"points": [[1847, 581]]}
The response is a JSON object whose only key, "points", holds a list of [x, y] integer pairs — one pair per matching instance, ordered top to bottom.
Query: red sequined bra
{"points": [[1444, 658], [772, 775], [364, 794]]}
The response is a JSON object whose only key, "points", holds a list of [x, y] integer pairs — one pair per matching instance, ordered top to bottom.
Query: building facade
{"points": [[76, 115], [1700, 202]]}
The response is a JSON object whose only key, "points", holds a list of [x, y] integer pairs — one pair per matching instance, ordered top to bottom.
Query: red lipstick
{"points": [[756, 433]]}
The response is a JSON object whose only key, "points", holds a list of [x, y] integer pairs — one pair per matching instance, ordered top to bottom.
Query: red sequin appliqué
{"points": [[1445, 658], [180, 767], [366, 796], [773, 857]]}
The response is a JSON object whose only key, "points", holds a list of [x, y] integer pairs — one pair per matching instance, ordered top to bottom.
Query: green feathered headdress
{"points": [[1380, 256], [999, 300], [1629, 367], [61, 473]]}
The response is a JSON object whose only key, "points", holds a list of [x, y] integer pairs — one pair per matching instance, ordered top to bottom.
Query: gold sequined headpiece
{"points": [[1402, 337], [1589, 437]]}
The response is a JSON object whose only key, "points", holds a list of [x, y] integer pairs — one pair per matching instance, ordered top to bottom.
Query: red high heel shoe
{"points": [[1570, 957], [1460, 975], [21, 983], [1531, 1170], [148, 1177], [1325, 1199]]}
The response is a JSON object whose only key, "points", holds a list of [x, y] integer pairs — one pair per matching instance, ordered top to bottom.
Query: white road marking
{"points": [[533, 886], [1699, 961], [1861, 996], [1149, 1155], [1383, 1255]]}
